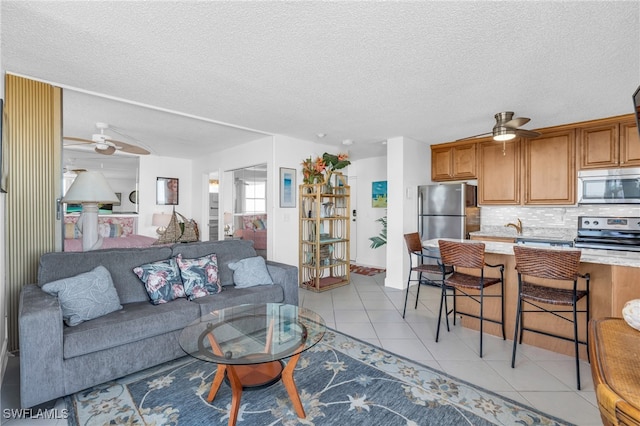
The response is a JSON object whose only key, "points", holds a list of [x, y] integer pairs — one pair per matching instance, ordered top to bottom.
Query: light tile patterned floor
{"points": [[367, 310]]}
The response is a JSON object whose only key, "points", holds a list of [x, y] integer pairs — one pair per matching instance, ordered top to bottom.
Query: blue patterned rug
{"points": [[341, 381]]}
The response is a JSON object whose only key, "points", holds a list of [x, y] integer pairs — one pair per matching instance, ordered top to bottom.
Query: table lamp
{"points": [[90, 188], [161, 220]]}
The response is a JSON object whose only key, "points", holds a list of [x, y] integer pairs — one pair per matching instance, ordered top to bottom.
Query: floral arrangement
{"points": [[314, 171]]}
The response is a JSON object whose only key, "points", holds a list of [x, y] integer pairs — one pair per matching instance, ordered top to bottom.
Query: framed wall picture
{"points": [[287, 187], [167, 191], [379, 194], [119, 195]]}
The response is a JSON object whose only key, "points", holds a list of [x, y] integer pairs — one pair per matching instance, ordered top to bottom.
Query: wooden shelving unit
{"points": [[324, 234]]}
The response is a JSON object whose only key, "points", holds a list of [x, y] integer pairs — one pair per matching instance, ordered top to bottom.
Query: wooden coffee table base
{"points": [[256, 375]]}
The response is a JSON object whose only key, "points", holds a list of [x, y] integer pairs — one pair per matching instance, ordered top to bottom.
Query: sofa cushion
{"points": [[226, 252], [119, 263], [250, 272], [200, 275], [162, 280], [85, 296], [233, 296], [136, 321]]}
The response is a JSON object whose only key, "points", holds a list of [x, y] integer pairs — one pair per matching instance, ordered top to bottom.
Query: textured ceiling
{"points": [[367, 71]]}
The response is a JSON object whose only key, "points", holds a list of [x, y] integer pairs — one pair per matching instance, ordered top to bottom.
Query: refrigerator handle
{"points": [[420, 218]]}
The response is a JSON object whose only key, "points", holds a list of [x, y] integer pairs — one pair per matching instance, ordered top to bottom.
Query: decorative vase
{"points": [[328, 188], [631, 313]]}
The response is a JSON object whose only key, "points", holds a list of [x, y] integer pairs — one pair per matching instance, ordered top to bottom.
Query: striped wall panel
{"points": [[34, 132]]}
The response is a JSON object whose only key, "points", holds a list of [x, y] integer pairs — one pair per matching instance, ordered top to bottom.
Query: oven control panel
{"points": [[609, 223]]}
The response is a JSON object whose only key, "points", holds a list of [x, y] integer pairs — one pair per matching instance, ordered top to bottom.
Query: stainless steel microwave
{"points": [[609, 186]]}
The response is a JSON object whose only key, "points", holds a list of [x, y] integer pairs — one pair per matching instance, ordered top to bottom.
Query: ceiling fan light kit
{"points": [[508, 128], [103, 144]]}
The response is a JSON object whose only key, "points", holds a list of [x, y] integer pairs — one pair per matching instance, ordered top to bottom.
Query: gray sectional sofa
{"points": [[57, 360]]}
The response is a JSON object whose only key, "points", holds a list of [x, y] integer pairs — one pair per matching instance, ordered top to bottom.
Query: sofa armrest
{"points": [[286, 276], [41, 348]]}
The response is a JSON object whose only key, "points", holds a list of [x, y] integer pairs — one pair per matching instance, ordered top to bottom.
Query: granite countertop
{"points": [[555, 234], [602, 257]]}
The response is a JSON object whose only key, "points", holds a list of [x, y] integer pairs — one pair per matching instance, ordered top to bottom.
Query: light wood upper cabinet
{"points": [[609, 144], [629, 145], [453, 161], [549, 168], [499, 172]]}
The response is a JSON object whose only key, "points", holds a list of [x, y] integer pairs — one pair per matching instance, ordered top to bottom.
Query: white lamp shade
{"points": [[90, 187], [161, 219]]}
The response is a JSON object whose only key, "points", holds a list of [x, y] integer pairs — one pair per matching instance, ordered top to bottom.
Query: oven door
{"points": [[616, 186]]}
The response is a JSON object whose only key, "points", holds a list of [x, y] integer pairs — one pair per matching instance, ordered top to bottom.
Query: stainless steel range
{"points": [[609, 233]]}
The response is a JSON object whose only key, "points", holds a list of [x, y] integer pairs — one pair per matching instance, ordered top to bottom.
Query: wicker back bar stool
{"points": [[470, 256], [422, 261], [550, 296]]}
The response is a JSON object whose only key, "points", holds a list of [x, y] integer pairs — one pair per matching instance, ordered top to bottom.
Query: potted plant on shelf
{"points": [[321, 169]]}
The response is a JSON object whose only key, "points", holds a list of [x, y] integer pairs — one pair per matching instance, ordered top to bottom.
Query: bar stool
{"points": [[417, 253], [471, 256], [550, 265]]}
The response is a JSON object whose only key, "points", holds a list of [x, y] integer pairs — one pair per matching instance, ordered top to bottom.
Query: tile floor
{"points": [[367, 310]]}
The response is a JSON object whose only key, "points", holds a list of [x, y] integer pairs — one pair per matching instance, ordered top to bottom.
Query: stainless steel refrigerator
{"points": [[447, 211]]}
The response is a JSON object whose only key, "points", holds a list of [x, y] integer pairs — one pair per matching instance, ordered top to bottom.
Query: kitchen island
{"points": [[615, 279]]}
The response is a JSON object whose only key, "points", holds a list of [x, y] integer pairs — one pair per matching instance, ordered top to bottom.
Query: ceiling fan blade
{"points": [[517, 122], [527, 133], [472, 137], [70, 138], [125, 147], [107, 151]]}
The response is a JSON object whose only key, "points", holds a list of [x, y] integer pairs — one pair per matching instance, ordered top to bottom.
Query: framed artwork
{"points": [[287, 187], [167, 191], [379, 194], [119, 195]]}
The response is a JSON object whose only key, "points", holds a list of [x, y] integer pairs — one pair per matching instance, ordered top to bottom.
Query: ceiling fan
{"points": [[508, 128], [105, 145]]}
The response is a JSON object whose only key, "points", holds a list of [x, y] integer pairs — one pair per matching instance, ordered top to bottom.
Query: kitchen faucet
{"points": [[518, 226]]}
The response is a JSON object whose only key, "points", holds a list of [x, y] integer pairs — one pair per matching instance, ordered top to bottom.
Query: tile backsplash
{"points": [[549, 220]]}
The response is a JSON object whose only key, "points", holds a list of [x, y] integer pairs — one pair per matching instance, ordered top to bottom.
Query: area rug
{"points": [[363, 270], [341, 381]]}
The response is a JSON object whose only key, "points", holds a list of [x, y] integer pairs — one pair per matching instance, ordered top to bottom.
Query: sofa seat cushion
{"points": [[232, 296], [136, 321]]}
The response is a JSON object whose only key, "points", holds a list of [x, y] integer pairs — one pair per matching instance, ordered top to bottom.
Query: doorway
{"points": [[249, 207]]}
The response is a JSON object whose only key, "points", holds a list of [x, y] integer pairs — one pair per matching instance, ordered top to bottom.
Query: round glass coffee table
{"points": [[249, 342]]}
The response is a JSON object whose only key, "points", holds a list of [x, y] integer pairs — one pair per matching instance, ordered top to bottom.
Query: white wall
{"points": [[277, 151], [414, 157], [152, 167], [368, 170], [124, 187]]}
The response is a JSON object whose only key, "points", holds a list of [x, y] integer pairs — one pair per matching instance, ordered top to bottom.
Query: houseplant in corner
{"points": [[381, 239]]}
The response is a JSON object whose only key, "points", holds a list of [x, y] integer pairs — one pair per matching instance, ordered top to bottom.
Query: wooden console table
{"points": [[614, 348]]}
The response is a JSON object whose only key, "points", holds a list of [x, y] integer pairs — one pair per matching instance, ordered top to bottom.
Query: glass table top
{"points": [[252, 334]]}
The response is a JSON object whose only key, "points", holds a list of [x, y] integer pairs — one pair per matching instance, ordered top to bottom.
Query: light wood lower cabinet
{"points": [[610, 287]]}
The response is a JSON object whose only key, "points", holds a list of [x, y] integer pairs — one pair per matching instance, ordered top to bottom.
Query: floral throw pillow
{"points": [[200, 276], [162, 280]]}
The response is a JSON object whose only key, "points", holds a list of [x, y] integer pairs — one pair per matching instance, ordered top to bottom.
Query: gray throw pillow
{"points": [[250, 272], [85, 296]]}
